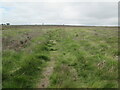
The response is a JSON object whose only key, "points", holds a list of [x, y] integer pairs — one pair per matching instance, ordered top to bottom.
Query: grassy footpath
{"points": [[85, 57]]}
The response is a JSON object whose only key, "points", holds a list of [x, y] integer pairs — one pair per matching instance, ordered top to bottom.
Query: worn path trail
{"points": [[47, 71]]}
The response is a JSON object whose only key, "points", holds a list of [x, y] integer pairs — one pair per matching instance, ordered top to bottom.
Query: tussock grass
{"points": [[86, 57], [92, 57], [21, 69]]}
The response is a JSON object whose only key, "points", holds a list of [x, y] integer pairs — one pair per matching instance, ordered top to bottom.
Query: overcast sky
{"points": [[82, 13]]}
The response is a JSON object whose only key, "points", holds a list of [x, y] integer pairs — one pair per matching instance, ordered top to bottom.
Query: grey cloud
{"points": [[68, 13]]}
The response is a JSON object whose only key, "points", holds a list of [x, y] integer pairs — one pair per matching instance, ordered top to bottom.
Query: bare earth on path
{"points": [[47, 72]]}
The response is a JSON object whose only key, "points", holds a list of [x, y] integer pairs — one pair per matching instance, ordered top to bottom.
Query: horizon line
{"points": [[60, 25]]}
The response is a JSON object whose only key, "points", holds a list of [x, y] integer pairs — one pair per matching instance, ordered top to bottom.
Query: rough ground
{"points": [[59, 57], [47, 71]]}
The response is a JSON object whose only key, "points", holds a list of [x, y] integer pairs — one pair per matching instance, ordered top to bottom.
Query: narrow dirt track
{"points": [[47, 71]]}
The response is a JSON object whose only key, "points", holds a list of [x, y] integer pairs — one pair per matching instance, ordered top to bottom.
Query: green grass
{"points": [[86, 53], [87, 57], [21, 68]]}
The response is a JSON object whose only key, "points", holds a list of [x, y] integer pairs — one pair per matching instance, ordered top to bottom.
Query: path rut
{"points": [[47, 72]]}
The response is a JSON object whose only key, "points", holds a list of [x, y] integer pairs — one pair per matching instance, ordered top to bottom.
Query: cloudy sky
{"points": [[59, 12]]}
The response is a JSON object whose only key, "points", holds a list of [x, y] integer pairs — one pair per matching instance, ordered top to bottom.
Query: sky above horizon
{"points": [[75, 13]]}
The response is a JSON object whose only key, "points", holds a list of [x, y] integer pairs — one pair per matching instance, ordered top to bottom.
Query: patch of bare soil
{"points": [[10, 43], [18, 44]]}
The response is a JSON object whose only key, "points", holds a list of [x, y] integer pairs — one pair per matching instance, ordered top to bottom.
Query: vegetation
{"points": [[85, 57]]}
